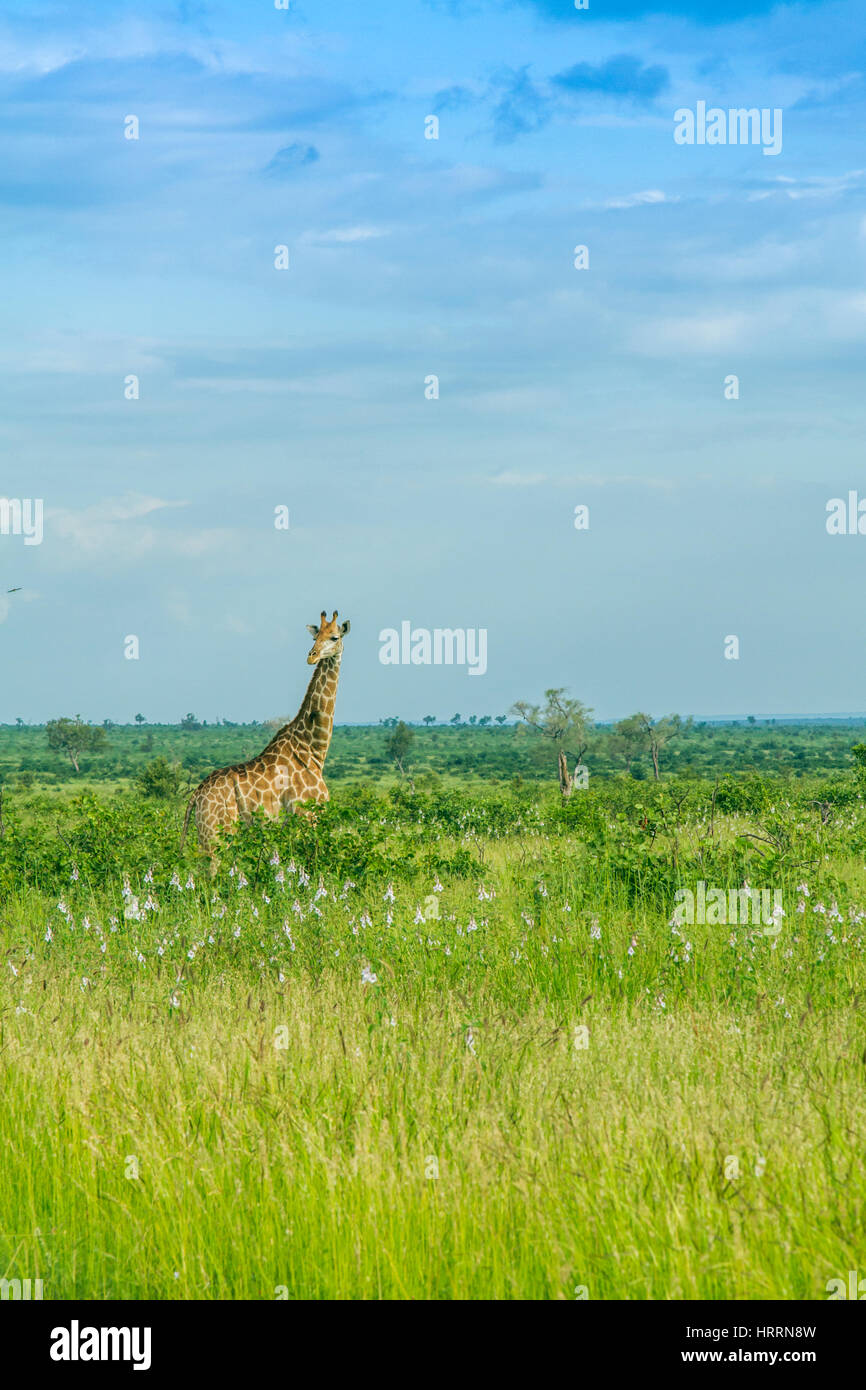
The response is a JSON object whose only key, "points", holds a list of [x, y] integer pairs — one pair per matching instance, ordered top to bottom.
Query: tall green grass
{"points": [[514, 1082]]}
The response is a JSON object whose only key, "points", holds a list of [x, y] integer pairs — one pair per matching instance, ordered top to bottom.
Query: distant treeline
{"points": [[470, 750]]}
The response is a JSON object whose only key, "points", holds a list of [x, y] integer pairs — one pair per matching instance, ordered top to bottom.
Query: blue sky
{"points": [[411, 257]]}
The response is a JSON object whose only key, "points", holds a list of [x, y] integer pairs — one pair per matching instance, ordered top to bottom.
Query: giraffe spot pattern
{"points": [[290, 769]]}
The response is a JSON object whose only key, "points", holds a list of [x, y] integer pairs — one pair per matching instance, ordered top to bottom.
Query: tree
{"points": [[501, 718], [139, 719], [429, 719], [455, 720], [473, 720], [189, 721], [484, 721], [19, 722], [565, 722], [659, 732], [74, 737], [628, 739], [398, 744], [859, 752], [159, 779]]}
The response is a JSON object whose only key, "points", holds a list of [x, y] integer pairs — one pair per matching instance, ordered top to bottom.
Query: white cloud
{"points": [[133, 38], [38, 58], [815, 186], [635, 200], [343, 235], [762, 261], [786, 323], [691, 334], [67, 352], [357, 385], [519, 399], [510, 478], [515, 479], [620, 480], [127, 508], [97, 527], [112, 529]]}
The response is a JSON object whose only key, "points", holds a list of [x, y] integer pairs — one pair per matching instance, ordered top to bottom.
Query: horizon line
{"points": [[821, 717]]}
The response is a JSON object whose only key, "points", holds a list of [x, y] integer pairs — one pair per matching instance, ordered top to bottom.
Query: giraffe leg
{"points": [[218, 810], [243, 811], [205, 824]]}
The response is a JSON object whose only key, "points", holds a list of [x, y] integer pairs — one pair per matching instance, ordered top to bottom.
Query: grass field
{"points": [[441, 1045]]}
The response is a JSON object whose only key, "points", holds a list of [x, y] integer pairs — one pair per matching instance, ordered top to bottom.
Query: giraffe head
{"points": [[328, 638]]}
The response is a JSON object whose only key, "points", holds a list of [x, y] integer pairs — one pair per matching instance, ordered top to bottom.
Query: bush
{"points": [[159, 779]]}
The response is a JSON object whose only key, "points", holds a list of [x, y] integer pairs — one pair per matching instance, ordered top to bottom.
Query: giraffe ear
{"points": [[345, 628], [312, 630]]}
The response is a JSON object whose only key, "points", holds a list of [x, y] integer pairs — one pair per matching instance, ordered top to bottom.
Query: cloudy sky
{"points": [[410, 258]]}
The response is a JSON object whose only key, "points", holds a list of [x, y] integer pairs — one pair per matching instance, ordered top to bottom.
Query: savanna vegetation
{"points": [[455, 749], [452, 1039]]}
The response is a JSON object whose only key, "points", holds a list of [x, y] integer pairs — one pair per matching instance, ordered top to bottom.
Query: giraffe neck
{"points": [[314, 722]]}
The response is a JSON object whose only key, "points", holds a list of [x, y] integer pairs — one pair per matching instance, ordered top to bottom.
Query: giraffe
{"points": [[290, 768]]}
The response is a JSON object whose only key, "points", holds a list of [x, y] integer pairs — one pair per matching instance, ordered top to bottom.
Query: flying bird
{"points": [[15, 591]]}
